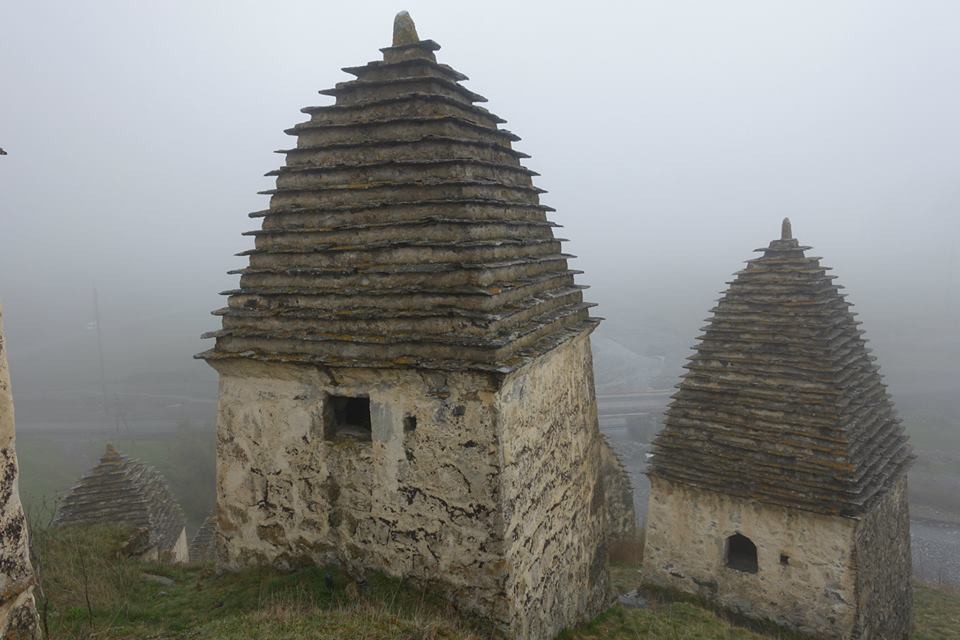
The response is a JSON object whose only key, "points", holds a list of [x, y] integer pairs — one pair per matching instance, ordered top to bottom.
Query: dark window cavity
{"points": [[348, 417], [409, 424], [741, 553], [784, 559]]}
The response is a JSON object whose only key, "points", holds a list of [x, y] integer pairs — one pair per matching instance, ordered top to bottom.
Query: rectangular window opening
{"points": [[348, 417], [409, 424], [784, 559]]}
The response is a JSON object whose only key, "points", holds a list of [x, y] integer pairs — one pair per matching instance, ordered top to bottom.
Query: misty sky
{"points": [[672, 137]]}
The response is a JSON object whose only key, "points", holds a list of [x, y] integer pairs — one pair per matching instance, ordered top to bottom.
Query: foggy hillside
{"points": [[672, 138]]}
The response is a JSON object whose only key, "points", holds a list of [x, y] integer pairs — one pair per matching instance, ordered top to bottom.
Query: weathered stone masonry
{"points": [[405, 370], [778, 485], [554, 499], [420, 503], [18, 613]]}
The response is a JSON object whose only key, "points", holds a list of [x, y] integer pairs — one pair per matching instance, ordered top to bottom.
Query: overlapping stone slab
{"points": [[403, 231]]}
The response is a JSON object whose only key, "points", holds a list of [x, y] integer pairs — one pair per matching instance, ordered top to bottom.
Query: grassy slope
{"points": [[272, 605], [936, 613]]}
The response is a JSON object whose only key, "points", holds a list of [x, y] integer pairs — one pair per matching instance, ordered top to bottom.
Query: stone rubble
{"points": [[632, 600]]}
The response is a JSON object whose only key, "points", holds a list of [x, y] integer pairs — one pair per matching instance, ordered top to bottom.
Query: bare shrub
{"points": [[78, 568]]}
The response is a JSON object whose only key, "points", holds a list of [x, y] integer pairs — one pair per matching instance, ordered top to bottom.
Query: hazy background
{"points": [[672, 136]]}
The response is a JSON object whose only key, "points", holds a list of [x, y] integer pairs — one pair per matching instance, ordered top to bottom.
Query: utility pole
{"points": [[103, 376]]}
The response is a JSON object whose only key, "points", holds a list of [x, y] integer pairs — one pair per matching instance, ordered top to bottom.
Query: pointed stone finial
{"points": [[404, 31], [786, 231], [111, 452]]}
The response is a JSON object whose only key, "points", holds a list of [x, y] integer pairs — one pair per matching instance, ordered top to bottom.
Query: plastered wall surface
{"points": [[497, 492], [554, 502], [423, 503], [884, 589], [813, 591]]}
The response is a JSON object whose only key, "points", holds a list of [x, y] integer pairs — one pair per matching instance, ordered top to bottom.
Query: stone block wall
{"points": [[496, 491], [421, 502], [554, 503], [621, 514], [884, 570], [806, 575]]}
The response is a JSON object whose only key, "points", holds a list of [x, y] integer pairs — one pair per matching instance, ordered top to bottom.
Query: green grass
{"points": [[90, 592], [265, 604], [936, 612], [671, 616], [663, 621]]}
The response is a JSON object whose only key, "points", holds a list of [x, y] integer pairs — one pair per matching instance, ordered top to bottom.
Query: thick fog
{"points": [[672, 137]]}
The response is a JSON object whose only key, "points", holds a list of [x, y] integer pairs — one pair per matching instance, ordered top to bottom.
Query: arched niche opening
{"points": [[741, 553]]}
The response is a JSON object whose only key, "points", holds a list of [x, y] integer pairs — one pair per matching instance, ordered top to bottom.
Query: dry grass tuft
{"points": [[80, 572]]}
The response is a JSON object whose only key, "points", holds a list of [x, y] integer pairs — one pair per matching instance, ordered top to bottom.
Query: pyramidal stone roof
{"points": [[403, 232], [782, 402], [123, 491], [203, 546]]}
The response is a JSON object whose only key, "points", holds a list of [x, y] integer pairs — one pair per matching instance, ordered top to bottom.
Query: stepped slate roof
{"points": [[403, 231], [782, 402], [123, 491], [203, 546]]}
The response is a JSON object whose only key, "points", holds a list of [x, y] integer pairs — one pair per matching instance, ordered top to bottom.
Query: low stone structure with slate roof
{"points": [[406, 381], [778, 484], [122, 491], [203, 545]]}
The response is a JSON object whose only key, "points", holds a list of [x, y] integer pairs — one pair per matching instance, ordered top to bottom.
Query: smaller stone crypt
{"points": [[406, 380], [778, 484], [122, 491]]}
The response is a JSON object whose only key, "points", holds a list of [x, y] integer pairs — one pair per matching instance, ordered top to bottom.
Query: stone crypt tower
{"points": [[405, 370], [778, 484], [122, 491]]}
